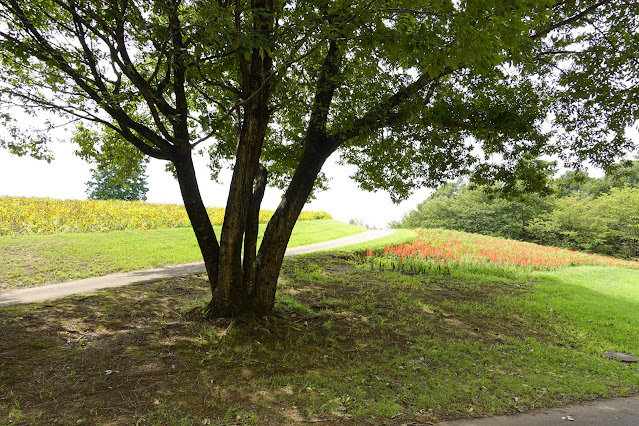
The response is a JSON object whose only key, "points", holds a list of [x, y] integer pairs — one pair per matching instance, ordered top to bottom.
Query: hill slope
{"points": [[29, 260]]}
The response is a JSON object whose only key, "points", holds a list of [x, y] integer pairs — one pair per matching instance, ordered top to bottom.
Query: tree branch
{"points": [[570, 20], [47, 53], [88, 54], [326, 86], [377, 116], [180, 123]]}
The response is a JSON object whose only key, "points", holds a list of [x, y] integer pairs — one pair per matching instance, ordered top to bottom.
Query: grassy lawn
{"points": [[29, 260], [346, 344]]}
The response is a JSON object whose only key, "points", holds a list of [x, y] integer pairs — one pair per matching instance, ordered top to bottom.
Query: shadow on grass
{"points": [[598, 305], [346, 345]]}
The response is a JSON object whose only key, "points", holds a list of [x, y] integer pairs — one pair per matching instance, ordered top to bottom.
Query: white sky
{"points": [[67, 174]]}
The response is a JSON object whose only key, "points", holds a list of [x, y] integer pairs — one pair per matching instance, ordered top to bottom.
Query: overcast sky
{"points": [[67, 174]]}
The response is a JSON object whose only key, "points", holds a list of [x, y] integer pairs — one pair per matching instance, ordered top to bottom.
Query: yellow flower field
{"points": [[21, 215]]}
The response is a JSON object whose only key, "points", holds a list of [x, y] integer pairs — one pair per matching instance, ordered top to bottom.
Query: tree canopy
{"points": [[412, 92], [106, 185]]}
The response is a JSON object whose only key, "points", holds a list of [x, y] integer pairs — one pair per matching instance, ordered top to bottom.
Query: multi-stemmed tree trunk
{"points": [[246, 285]]}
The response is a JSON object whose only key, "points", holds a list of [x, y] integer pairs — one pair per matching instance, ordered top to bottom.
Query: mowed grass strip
{"points": [[29, 260], [346, 344]]}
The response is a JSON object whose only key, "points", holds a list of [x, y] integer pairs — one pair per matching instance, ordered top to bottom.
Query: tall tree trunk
{"points": [[317, 150], [198, 215], [280, 227], [250, 235], [228, 299]]}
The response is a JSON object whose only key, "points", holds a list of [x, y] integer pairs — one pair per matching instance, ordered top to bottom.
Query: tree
{"points": [[597, 76], [409, 91], [119, 170], [578, 182], [106, 185], [478, 210], [607, 224]]}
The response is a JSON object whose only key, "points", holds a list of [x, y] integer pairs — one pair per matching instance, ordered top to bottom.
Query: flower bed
{"points": [[438, 249]]}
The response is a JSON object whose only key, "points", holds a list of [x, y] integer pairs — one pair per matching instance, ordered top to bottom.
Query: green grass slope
{"points": [[29, 260], [601, 305]]}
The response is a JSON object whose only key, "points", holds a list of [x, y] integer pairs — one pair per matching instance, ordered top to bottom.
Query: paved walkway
{"points": [[56, 291], [611, 412]]}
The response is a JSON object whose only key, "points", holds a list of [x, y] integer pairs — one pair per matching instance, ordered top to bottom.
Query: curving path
{"points": [[56, 291], [622, 411]]}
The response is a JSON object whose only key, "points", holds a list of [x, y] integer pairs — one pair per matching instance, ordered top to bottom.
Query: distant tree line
{"points": [[580, 212]]}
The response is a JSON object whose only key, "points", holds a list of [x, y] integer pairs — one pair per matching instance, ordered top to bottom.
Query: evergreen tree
{"points": [[107, 185]]}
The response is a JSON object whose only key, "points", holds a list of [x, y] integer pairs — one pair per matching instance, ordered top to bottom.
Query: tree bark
{"points": [[317, 149], [198, 215], [278, 231], [250, 235], [229, 298]]}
